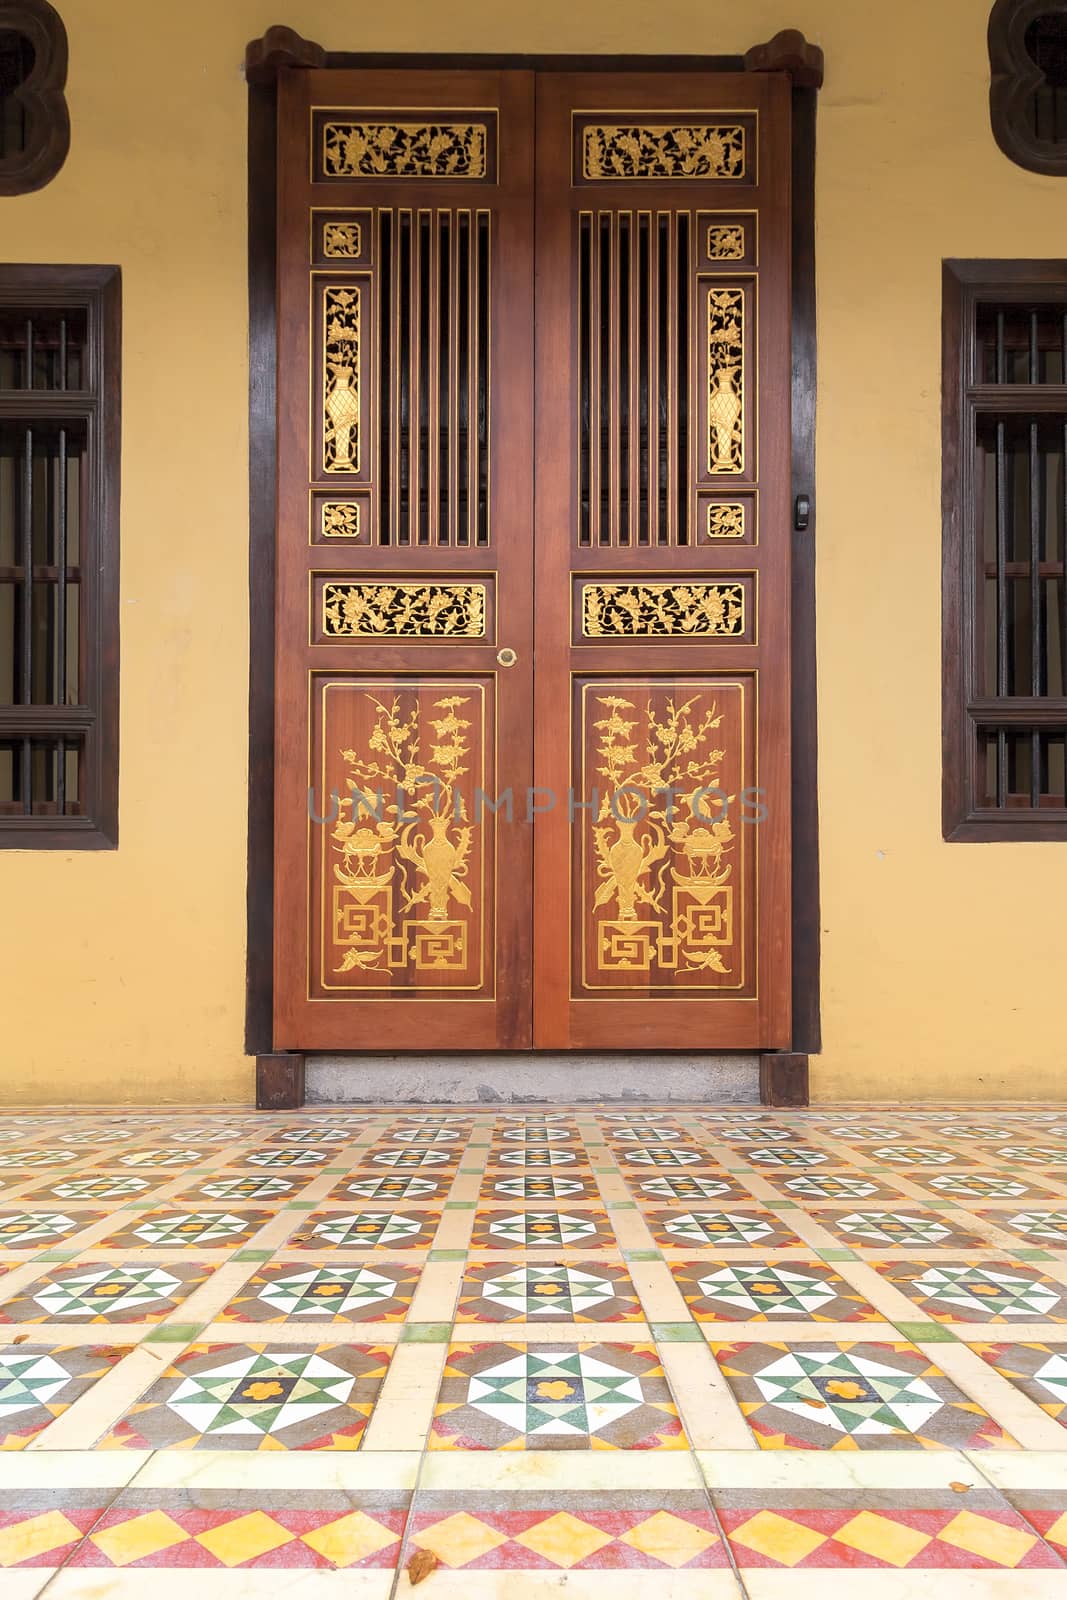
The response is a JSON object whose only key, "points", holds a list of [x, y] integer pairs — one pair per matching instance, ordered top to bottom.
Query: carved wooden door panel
{"points": [[405, 321], [662, 910]]}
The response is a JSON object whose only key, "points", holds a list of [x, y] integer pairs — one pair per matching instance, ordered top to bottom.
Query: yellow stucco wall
{"points": [[123, 973]]}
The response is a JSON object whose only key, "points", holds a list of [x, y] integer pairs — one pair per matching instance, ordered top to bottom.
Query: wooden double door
{"points": [[532, 630]]}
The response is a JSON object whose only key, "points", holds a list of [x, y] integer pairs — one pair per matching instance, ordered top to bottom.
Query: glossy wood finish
{"points": [[440, 989], [661, 1004], [783, 1079]]}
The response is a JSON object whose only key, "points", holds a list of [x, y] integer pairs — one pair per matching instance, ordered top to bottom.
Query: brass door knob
{"points": [[506, 657]]}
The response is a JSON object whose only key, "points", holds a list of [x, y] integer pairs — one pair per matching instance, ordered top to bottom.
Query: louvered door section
{"points": [[662, 623], [404, 660]]}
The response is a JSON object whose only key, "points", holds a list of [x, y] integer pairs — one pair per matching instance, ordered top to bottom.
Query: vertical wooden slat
{"points": [[485, 267], [454, 287], [671, 296], [595, 314], [684, 344], [654, 379], [608, 381], [472, 382], [645, 388], [417, 395], [614, 406], [396, 416], [585, 438], [439, 439], [633, 481], [1002, 581], [26, 639], [60, 692]]}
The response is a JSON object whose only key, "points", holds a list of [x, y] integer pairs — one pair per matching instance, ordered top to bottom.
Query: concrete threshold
{"points": [[521, 1076]]}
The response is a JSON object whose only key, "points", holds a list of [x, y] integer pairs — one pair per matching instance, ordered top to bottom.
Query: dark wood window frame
{"points": [[1027, 106], [35, 121], [94, 407], [969, 713], [784, 1075]]}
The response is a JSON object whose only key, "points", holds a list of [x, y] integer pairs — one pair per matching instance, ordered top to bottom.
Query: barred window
{"points": [[59, 478], [1005, 525]]}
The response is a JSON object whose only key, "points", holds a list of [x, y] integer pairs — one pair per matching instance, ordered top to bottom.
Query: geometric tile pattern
{"points": [[543, 1282]]}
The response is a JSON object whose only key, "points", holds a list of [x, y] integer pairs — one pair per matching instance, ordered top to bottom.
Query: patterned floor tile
{"points": [[643, 1133], [663, 1155], [794, 1155], [164, 1157], [26, 1158], [403, 1158], [536, 1158], [280, 1159], [980, 1184], [836, 1185], [94, 1186], [541, 1186], [690, 1188], [227, 1190], [382, 1190], [1033, 1227], [559, 1229], [36, 1230], [178, 1230], [366, 1230], [679, 1230], [863, 1230], [735, 1291], [992, 1291], [102, 1292], [575, 1292], [381, 1293], [1039, 1370], [39, 1381], [851, 1396], [258, 1397], [542, 1397], [1044, 1513], [39, 1528], [214, 1528], [801, 1529], [590, 1532]]}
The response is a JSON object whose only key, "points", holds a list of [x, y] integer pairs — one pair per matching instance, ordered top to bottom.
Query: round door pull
{"points": [[506, 657]]}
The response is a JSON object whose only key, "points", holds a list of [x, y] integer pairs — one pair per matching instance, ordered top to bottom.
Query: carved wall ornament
{"points": [[33, 76], [1028, 83], [405, 149], [668, 150], [341, 239], [726, 242], [341, 349], [726, 380], [340, 519], [726, 520], [394, 610], [663, 610]]}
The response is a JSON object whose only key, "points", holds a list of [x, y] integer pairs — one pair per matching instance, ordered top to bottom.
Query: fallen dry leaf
{"points": [[21, 1339], [816, 1405], [960, 1488], [421, 1565]]}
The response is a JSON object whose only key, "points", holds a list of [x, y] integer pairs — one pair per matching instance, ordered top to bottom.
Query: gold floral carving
{"points": [[405, 149], [674, 150], [342, 239], [726, 242], [341, 351], [726, 380], [340, 519], [726, 520], [403, 610], [661, 610], [411, 854], [663, 895]]}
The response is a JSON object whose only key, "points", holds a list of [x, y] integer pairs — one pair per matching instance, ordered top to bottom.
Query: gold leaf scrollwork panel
{"points": [[405, 149], [675, 151], [341, 239], [726, 242], [341, 379], [726, 380], [340, 519], [726, 520], [367, 610], [663, 610], [662, 865], [404, 876]]}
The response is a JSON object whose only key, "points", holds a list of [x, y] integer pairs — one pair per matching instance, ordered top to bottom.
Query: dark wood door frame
{"points": [[280, 1077]]}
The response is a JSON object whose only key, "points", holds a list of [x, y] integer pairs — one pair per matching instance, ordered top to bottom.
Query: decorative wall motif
{"points": [[405, 149], [675, 150], [342, 239], [726, 242], [341, 356], [726, 380], [340, 519], [726, 520], [403, 610], [662, 610], [402, 843], [662, 895]]}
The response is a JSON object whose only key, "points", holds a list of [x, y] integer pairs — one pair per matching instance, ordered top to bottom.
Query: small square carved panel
{"points": [[341, 236], [726, 239]]}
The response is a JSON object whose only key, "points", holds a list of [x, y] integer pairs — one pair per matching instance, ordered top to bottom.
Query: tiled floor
{"points": [[676, 1351]]}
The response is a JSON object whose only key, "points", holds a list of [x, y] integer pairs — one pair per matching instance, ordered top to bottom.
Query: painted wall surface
{"points": [[123, 973]]}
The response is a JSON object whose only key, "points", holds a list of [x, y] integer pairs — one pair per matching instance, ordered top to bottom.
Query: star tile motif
{"points": [[646, 1132], [320, 1133], [749, 1133], [539, 1134], [431, 1136], [663, 1155], [916, 1155], [1043, 1155], [535, 1156], [786, 1156], [165, 1157], [268, 1157], [38, 1158], [404, 1159], [984, 1185], [545, 1186], [836, 1186], [689, 1187], [98, 1188], [256, 1188], [374, 1188], [1037, 1227], [866, 1228], [676, 1229], [28, 1230], [177, 1230], [367, 1230], [541, 1230], [582, 1292], [741, 1292], [990, 1292], [104, 1293], [352, 1294], [1038, 1370], [38, 1383], [851, 1396], [258, 1397], [540, 1397]]}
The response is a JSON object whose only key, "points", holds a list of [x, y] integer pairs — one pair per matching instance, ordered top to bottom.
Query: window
{"points": [[34, 121], [59, 476], [1005, 509]]}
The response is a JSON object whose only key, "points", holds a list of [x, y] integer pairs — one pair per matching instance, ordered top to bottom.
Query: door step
{"points": [[521, 1076]]}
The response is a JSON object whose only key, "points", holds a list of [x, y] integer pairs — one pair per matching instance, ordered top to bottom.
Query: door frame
{"points": [[279, 1077]]}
